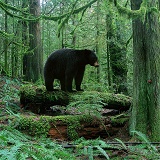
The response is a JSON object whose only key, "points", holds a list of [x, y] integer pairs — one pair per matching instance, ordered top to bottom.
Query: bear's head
{"points": [[92, 58]]}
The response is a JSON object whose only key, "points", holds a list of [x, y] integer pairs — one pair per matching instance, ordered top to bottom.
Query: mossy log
{"points": [[38, 100], [67, 127]]}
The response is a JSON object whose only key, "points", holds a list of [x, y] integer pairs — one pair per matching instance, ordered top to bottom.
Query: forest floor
{"points": [[9, 94], [10, 104]]}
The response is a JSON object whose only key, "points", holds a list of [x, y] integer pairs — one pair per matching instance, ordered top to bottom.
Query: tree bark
{"points": [[152, 28], [6, 42], [34, 59], [146, 90]]}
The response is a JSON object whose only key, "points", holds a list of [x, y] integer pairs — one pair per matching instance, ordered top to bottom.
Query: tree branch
{"points": [[5, 7], [132, 13]]}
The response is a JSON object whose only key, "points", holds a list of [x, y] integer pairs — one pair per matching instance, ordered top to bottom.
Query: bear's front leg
{"points": [[79, 78], [68, 83]]}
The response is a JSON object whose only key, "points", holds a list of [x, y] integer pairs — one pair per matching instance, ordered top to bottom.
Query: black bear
{"points": [[66, 65]]}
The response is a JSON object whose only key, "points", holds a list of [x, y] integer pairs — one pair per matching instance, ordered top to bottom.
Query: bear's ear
{"points": [[87, 51]]}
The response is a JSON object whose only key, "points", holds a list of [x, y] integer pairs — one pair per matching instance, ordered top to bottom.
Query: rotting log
{"points": [[38, 100], [67, 127]]}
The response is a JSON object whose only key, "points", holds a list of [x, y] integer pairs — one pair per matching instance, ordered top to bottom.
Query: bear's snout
{"points": [[96, 64]]}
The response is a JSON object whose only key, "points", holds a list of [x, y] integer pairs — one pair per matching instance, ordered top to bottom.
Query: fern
{"points": [[89, 103], [141, 136], [145, 139], [122, 144], [17, 146], [146, 149], [103, 152]]}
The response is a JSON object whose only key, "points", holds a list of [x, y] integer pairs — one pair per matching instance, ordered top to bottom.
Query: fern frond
{"points": [[103, 152]]}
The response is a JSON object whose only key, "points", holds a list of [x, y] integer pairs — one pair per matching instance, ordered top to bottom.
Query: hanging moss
{"points": [[140, 13], [6, 35]]}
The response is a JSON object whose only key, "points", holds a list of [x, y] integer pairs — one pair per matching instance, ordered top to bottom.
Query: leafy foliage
{"points": [[9, 88], [8, 95], [87, 104], [15, 145], [99, 147], [144, 150]]}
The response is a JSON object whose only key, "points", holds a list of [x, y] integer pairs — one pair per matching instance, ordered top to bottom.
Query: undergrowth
{"points": [[9, 89], [87, 103], [15, 145], [18, 146]]}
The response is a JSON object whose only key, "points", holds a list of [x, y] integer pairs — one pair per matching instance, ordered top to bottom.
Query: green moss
{"points": [[141, 13], [32, 92], [102, 97], [116, 98], [119, 119], [73, 123], [33, 125], [40, 125]]}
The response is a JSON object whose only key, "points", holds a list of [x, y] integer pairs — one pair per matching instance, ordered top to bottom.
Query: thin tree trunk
{"points": [[108, 26], [74, 34], [97, 39], [25, 40], [6, 42]]}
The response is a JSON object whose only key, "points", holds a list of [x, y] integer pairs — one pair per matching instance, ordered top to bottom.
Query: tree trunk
{"points": [[108, 26], [97, 38], [25, 39], [6, 43], [116, 55], [34, 59], [153, 70], [146, 90]]}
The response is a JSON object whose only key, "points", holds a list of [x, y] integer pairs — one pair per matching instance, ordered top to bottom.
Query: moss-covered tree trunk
{"points": [[6, 42], [116, 55], [34, 59], [146, 90]]}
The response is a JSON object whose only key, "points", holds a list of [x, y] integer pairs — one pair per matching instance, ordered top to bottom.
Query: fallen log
{"points": [[38, 100], [67, 127]]}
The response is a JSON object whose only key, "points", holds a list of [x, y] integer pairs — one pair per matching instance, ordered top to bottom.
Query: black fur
{"points": [[66, 65]]}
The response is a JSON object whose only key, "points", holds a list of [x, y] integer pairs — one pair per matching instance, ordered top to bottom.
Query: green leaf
{"points": [[103, 152]]}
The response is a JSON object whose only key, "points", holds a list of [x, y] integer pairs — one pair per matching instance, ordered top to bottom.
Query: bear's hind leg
{"points": [[79, 78], [62, 82], [49, 84]]}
